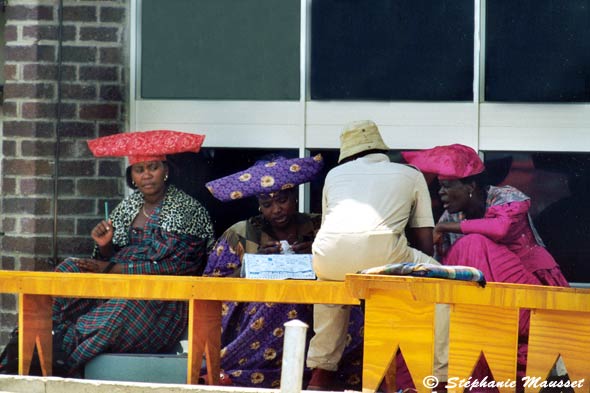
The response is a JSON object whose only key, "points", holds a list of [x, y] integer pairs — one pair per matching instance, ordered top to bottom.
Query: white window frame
{"points": [[307, 124]]}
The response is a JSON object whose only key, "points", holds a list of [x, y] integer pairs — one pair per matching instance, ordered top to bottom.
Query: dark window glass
{"points": [[220, 49], [392, 49], [537, 50], [192, 171], [558, 184]]}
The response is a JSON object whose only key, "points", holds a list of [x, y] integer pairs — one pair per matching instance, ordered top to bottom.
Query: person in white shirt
{"points": [[374, 212]]}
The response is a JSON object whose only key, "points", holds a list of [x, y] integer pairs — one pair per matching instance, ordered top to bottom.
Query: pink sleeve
{"points": [[497, 220]]}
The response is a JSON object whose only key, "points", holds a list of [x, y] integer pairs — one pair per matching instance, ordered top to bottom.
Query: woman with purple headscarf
{"points": [[252, 333]]}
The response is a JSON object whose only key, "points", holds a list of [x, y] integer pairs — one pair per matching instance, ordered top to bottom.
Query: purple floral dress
{"points": [[252, 333]]}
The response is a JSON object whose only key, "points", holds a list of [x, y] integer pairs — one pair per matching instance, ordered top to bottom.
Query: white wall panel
{"points": [[403, 125], [535, 127]]}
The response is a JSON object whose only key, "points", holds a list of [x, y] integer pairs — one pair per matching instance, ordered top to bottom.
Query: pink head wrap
{"points": [[449, 162]]}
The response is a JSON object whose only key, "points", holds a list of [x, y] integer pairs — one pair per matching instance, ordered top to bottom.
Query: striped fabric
{"points": [[464, 273], [90, 327]]}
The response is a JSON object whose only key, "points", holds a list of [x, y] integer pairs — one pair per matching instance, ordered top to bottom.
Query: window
{"points": [[220, 49], [392, 50], [537, 51], [558, 185]]}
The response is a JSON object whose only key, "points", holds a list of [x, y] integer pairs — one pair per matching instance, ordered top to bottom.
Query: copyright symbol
{"points": [[430, 381]]}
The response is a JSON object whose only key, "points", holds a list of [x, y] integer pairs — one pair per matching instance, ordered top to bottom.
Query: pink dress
{"points": [[505, 246]]}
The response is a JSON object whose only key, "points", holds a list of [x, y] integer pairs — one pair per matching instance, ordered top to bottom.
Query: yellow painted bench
{"points": [[204, 294], [399, 313]]}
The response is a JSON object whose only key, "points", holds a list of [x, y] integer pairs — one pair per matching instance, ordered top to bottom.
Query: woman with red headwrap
{"points": [[157, 229]]}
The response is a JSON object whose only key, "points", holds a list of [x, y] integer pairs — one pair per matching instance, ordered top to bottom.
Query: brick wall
{"points": [[93, 89]]}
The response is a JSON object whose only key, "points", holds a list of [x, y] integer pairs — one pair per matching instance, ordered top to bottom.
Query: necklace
{"points": [[144, 212]]}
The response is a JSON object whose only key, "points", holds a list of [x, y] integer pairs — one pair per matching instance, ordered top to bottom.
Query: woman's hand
{"points": [[102, 233], [437, 239], [271, 247], [302, 247], [92, 265]]}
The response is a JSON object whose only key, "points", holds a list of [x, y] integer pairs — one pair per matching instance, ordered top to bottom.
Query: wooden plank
{"points": [[91, 285], [464, 292], [395, 320], [35, 324], [492, 331], [554, 333], [204, 337]]}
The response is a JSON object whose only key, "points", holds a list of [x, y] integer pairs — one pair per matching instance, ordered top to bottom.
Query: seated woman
{"points": [[486, 227], [157, 229], [252, 333]]}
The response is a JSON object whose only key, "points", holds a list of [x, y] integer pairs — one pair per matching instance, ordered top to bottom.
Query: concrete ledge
{"points": [[25, 384]]}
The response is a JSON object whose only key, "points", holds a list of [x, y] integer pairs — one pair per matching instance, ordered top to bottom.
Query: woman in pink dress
{"points": [[486, 227]]}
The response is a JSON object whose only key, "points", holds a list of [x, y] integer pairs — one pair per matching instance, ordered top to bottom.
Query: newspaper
{"points": [[278, 266]]}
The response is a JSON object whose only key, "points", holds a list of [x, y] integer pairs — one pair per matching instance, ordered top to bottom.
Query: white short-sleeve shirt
{"points": [[367, 204]]}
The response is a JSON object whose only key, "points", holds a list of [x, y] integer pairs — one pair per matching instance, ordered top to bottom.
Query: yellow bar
{"points": [[91, 285], [496, 294]]}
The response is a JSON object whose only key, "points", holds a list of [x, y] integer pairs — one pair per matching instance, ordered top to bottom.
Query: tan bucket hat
{"points": [[360, 136]]}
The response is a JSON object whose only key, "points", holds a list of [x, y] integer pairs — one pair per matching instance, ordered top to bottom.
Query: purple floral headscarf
{"points": [[266, 178]]}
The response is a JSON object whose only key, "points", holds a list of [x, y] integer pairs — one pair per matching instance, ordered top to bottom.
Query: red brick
{"points": [[22, 12], [79, 13], [112, 14], [44, 32], [10, 33], [101, 34], [29, 53], [79, 54], [110, 55], [9, 72], [48, 72], [99, 73], [29, 90], [76, 91], [111, 93], [9, 109], [41, 110], [99, 111], [31, 129], [77, 129], [105, 129], [8, 148], [37, 148], [68, 148], [27, 167], [77, 168], [107, 168], [8, 186], [36, 186], [98, 187], [24, 205], [76, 206], [8, 224], [37, 225], [44, 225], [85, 225], [28, 245], [75, 245], [38, 263]]}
